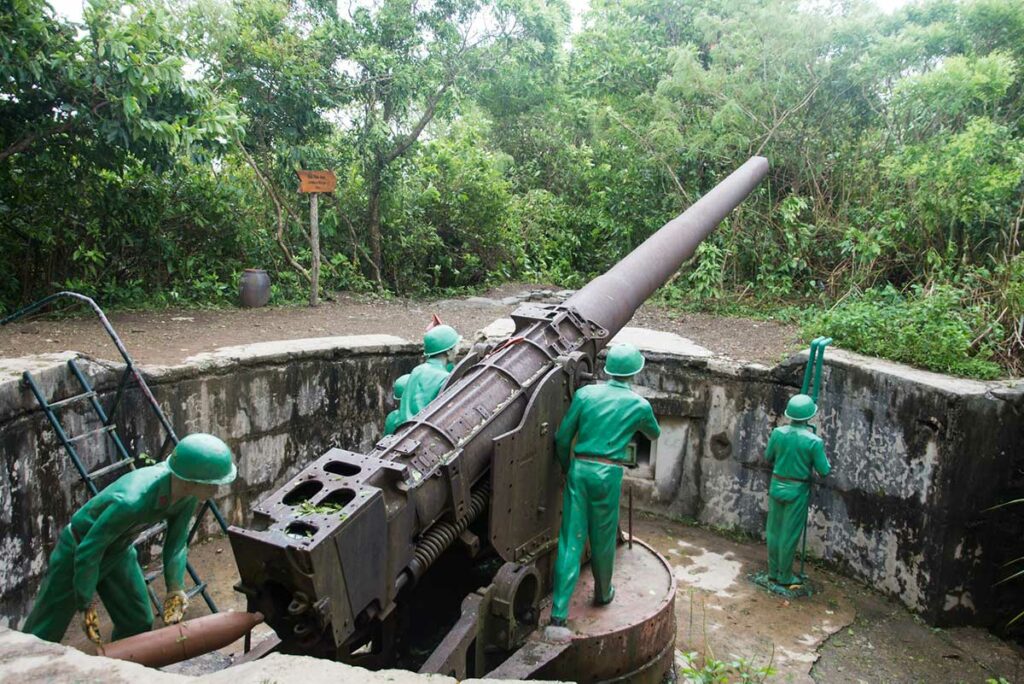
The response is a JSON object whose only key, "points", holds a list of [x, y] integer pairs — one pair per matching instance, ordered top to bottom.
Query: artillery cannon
{"points": [[332, 556]]}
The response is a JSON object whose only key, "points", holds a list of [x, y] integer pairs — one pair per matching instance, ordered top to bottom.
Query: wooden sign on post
{"points": [[315, 182]]}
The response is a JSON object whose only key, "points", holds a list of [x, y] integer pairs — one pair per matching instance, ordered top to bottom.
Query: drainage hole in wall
{"points": [[721, 446]]}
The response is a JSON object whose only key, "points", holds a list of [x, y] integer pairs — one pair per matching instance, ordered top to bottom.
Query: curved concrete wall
{"points": [[278, 406], [917, 456]]}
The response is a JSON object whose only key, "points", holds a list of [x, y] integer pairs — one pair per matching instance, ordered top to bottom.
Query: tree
{"points": [[278, 59], [409, 64], [122, 82], [86, 111]]}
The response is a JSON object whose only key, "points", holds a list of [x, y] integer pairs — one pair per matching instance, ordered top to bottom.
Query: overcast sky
{"points": [[72, 9]]}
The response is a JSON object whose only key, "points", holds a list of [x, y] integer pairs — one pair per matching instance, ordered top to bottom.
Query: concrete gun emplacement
{"points": [[332, 557]]}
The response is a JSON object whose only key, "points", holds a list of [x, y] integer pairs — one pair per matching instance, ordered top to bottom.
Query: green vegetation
{"points": [[147, 156], [938, 326], [306, 508], [714, 671]]}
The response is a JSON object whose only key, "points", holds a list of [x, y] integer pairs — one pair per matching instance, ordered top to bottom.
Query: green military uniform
{"points": [[426, 379], [425, 383], [393, 419], [603, 419], [391, 422], [793, 450], [95, 554]]}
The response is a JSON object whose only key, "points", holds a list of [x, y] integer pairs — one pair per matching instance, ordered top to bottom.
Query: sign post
{"points": [[313, 183], [314, 244]]}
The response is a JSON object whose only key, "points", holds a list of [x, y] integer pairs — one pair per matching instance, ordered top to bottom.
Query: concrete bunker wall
{"points": [[277, 405], [917, 456]]}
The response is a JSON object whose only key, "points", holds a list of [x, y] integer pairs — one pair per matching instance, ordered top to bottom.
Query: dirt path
{"points": [[169, 336]]}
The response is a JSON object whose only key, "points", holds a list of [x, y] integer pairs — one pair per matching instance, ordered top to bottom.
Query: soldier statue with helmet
{"points": [[602, 420], [95, 553]]}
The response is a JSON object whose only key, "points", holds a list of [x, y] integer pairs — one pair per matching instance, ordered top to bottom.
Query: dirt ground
{"points": [[169, 336], [844, 633]]}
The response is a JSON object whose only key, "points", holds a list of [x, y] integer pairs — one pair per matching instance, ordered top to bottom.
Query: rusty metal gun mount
{"points": [[332, 556]]}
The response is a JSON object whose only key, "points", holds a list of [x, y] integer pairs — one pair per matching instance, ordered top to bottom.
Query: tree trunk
{"points": [[373, 220]]}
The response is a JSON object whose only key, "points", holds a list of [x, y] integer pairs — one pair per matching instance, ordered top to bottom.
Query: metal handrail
{"points": [[129, 362]]}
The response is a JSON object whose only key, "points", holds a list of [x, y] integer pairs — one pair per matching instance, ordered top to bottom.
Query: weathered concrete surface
{"points": [[278, 405], [917, 457], [721, 614], [846, 632], [24, 658]]}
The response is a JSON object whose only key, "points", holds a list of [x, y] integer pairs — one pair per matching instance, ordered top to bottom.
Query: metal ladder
{"points": [[123, 459]]}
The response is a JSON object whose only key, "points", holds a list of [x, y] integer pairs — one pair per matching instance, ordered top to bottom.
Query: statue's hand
{"points": [[175, 605], [91, 624]]}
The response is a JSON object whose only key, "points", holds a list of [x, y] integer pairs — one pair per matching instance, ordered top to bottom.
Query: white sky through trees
{"points": [[72, 9]]}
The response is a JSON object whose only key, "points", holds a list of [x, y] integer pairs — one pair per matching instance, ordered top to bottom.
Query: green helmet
{"points": [[440, 339], [623, 360], [400, 383], [801, 407], [202, 458]]}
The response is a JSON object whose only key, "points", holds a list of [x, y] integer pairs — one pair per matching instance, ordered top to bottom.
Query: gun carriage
{"points": [[477, 468]]}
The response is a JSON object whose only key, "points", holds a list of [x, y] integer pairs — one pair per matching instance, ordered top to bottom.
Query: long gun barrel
{"points": [[610, 300], [328, 554]]}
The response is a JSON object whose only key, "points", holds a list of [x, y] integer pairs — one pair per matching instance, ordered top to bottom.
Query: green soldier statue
{"points": [[440, 346], [603, 419], [391, 423], [793, 450], [94, 553]]}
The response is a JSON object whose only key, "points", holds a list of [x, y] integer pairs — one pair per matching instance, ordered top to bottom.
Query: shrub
{"points": [[938, 328]]}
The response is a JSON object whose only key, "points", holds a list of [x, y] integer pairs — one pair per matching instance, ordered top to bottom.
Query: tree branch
{"points": [[428, 114], [786, 115], [650, 148], [280, 215]]}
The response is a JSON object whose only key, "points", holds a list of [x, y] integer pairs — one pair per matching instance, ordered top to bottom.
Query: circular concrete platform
{"points": [[630, 640]]}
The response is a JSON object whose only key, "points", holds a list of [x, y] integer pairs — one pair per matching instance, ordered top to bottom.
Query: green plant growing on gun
{"points": [[307, 508]]}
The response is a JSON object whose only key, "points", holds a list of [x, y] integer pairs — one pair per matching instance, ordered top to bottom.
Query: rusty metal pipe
{"points": [[610, 300], [182, 641]]}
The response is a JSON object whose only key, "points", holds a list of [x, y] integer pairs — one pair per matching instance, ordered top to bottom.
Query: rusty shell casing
{"points": [[326, 555], [185, 640]]}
